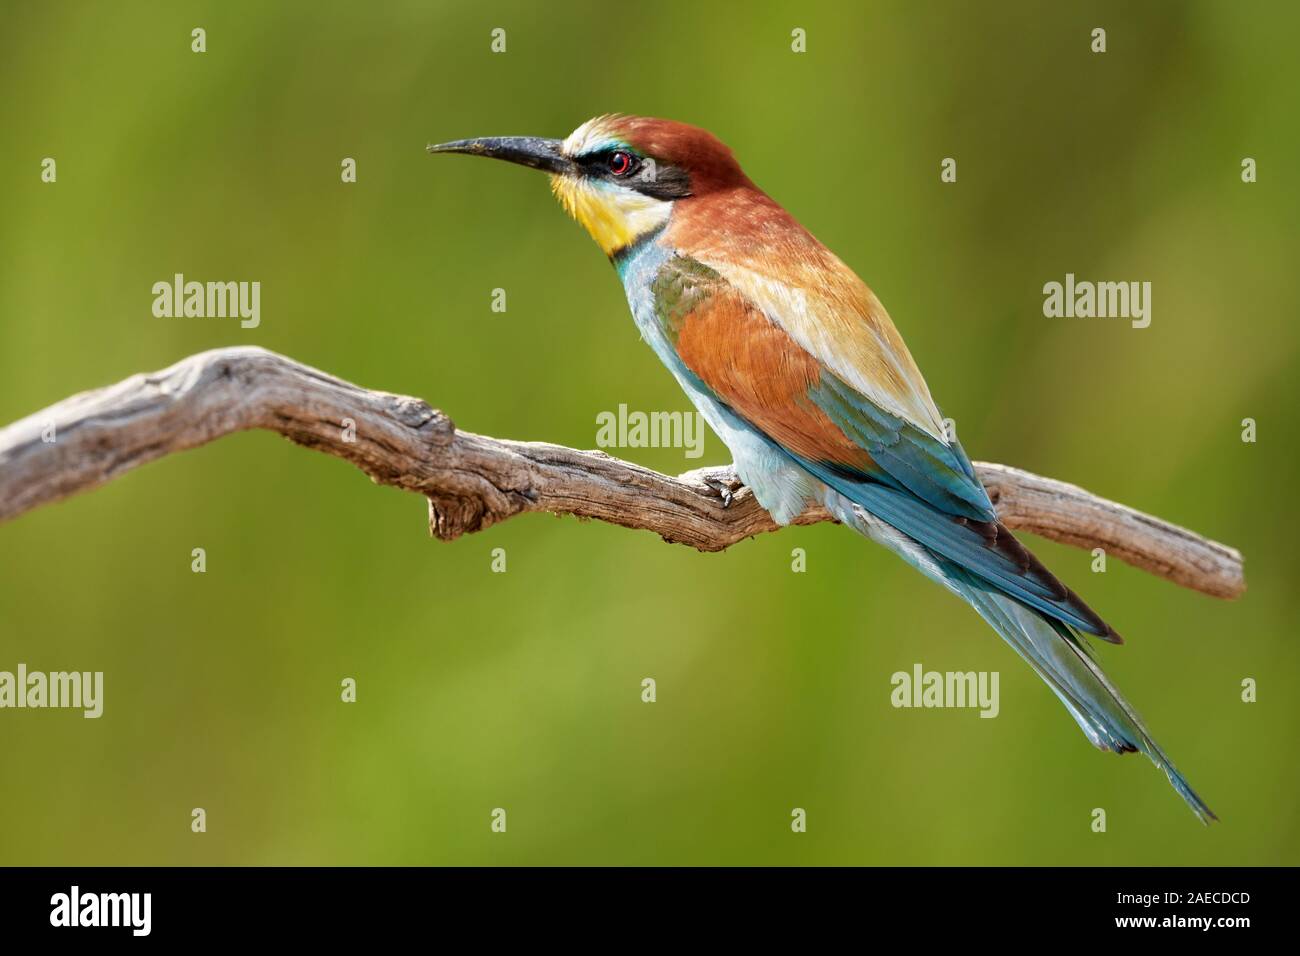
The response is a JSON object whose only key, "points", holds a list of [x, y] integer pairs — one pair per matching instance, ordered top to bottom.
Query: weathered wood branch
{"points": [[472, 481]]}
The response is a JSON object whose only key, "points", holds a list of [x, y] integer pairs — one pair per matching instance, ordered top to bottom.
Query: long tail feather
{"points": [[1055, 652], [1058, 656]]}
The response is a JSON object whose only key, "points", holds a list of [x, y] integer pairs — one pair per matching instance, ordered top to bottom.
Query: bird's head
{"points": [[619, 176]]}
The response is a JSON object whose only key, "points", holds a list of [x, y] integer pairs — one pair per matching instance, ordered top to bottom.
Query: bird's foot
{"points": [[725, 488]]}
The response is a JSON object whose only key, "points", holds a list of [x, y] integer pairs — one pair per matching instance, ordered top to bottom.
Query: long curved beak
{"points": [[543, 154]]}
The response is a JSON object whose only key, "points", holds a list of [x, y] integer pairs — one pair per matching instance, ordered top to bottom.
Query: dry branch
{"points": [[472, 481]]}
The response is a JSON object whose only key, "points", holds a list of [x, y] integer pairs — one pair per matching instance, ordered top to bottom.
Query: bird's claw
{"points": [[724, 489]]}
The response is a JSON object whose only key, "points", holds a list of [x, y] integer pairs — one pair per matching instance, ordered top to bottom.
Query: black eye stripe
{"points": [[599, 164], [643, 176]]}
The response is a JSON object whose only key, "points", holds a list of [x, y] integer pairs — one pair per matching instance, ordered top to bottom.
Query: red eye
{"points": [[620, 163]]}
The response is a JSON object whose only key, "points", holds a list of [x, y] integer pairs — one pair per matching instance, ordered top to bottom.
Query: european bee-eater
{"points": [[797, 367]]}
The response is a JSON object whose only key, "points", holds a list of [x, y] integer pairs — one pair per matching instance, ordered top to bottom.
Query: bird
{"points": [[799, 370]]}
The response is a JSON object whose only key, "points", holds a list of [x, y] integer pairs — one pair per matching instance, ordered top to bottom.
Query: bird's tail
{"points": [[1055, 652], [1061, 659]]}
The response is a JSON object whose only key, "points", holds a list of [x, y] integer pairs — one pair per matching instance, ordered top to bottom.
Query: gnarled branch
{"points": [[472, 481]]}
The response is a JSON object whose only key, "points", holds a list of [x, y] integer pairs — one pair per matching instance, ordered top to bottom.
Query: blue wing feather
{"points": [[909, 458], [928, 490], [1007, 567]]}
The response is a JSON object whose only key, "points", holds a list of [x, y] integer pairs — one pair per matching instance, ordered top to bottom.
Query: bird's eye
{"points": [[620, 163]]}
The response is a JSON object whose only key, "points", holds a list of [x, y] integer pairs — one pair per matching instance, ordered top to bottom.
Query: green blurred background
{"points": [[522, 690]]}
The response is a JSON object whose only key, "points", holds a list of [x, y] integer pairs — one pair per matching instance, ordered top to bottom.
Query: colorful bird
{"points": [[797, 367]]}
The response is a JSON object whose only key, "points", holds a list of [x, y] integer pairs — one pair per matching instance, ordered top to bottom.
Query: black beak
{"points": [[543, 154]]}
